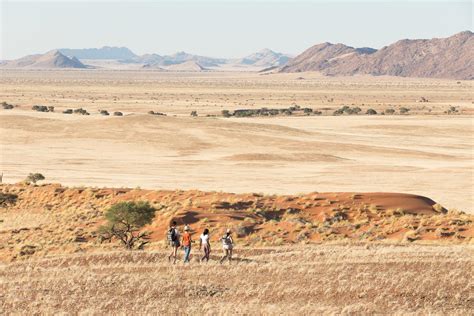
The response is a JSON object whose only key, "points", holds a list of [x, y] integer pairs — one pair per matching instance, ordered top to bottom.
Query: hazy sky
{"points": [[222, 28]]}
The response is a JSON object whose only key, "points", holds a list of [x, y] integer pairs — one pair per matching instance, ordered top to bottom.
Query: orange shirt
{"points": [[186, 239]]}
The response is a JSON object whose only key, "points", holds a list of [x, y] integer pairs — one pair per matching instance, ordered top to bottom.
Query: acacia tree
{"points": [[124, 221]]}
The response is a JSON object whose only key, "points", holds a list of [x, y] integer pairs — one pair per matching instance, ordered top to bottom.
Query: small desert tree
{"points": [[34, 177], [124, 221]]}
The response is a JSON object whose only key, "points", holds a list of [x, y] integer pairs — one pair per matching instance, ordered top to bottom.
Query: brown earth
{"points": [[450, 57], [51, 219]]}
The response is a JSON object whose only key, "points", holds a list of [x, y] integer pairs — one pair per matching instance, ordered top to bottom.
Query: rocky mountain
{"points": [[105, 52], [450, 57], [264, 58], [52, 59], [175, 59]]}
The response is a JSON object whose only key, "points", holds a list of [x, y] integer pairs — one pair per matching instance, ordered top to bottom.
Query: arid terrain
{"points": [[425, 151], [333, 211], [318, 253], [298, 280]]}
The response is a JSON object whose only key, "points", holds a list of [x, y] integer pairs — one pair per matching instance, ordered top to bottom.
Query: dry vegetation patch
{"points": [[51, 219], [338, 278]]}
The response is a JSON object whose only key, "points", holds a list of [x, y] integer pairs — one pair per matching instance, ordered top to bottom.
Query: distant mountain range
{"points": [[105, 52], [451, 57], [52, 59], [181, 61]]}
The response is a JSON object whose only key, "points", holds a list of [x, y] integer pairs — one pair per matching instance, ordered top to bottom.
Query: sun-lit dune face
{"points": [[52, 219]]}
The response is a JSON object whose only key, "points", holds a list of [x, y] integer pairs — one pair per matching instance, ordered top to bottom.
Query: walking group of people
{"points": [[184, 241]]}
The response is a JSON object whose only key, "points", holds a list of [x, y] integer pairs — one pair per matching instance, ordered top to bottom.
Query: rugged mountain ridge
{"points": [[450, 57], [52, 59]]}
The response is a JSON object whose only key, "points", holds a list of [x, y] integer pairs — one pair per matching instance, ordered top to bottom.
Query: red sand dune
{"points": [[255, 219]]}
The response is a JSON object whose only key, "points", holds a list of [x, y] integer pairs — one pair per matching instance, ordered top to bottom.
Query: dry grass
{"points": [[319, 279]]}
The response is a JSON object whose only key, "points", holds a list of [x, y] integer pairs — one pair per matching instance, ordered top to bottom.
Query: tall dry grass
{"points": [[298, 280]]}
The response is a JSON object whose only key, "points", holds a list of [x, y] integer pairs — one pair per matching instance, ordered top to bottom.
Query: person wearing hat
{"points": [[186, 241], [227, 245]]}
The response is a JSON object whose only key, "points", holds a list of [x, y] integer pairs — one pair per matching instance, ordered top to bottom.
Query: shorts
{"points": [[175, 244], [228, 247]]}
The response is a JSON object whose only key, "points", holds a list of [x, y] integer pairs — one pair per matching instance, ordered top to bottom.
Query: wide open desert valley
{"points": [[425, 151], [347, 195]]}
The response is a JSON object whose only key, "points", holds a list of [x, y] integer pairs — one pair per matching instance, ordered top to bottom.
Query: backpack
{"points": [[172, 235], [226, 241]]}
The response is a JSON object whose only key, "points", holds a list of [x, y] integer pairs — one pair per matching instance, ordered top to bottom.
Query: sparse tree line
{"points": [[292, 110], [295, 110], [347, 110]]}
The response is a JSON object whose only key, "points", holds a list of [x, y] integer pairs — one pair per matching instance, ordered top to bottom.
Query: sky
{"points": [[222, 28]]}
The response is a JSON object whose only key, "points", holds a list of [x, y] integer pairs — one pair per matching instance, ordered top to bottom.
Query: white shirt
{"points": [[204, 239]]}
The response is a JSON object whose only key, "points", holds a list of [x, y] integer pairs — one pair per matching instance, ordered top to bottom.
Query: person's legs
{"points": [[187, 251], [175, 253], [206, 253], [226, 253], [171, 254], [230, 255]]}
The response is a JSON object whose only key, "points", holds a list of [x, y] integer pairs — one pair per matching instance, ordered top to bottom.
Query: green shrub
{"points": [[7, 106], [404, 110], [371, 112], [34, 177], [7, 199], [124, 221]]}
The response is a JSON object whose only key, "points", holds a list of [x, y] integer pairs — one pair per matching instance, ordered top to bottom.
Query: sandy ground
{"points": [[424, 154], [326, 279]]}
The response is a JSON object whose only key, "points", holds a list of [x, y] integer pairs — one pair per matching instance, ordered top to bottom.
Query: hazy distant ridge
{"points": [[105, 52]]}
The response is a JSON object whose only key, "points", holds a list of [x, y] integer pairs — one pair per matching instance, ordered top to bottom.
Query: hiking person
{"points": [[173, 241], [186, 241], [205, 244], [227, 245]]}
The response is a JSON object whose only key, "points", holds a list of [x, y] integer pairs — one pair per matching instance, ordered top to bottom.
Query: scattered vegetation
{"points": [[7, 106], [43, 108], [293, 110], [347, 110], [404, 110], [451, 110], [67, 111], [81, 111], [104, 112], [371, 112], [118, 113], [156, 113], [194, 113], [34, 177], [7, 199], [125, 220]]}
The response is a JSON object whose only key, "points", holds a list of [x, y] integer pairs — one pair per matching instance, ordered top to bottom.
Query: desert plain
{"points": [[425, 152], [399, 185]]}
